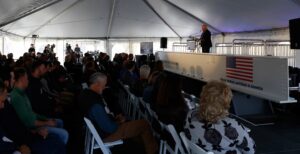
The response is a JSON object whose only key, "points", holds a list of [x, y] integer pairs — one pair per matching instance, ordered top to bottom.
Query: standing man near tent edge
{"points": [[205, 39]]}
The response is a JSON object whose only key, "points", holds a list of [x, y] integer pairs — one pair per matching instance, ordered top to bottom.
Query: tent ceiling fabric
{"points": [[14, 9], [242, 15], [134, 18], [28, 24]]}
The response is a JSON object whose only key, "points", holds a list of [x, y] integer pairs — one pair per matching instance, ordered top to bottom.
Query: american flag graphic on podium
{"points": [[240, 68]]}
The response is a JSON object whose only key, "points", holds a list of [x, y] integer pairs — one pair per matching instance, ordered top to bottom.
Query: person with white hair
{"points": [[205, 39], [144, 72], [112, 128]]}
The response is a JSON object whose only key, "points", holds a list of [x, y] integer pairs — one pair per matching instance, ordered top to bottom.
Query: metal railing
{"points": [[180, 47], [183, 47], [249, 47], [253, 47], [257, 47], [223, 48], [280, 48]]}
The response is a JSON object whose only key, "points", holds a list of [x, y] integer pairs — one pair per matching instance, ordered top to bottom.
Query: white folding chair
{"points": [[123, 97], [133, 107], [144, 110], [92, 136], [172, 142], [192, 147]]}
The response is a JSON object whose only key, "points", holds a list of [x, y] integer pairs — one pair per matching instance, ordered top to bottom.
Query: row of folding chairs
{"points": [[136, 108], [170, 142]]}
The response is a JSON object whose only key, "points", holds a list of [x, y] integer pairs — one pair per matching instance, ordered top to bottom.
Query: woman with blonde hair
{"points": [[210, 126]]}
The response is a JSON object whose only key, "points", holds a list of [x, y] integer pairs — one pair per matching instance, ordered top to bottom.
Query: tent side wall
{"points": [[276, 34], [18, 45]]}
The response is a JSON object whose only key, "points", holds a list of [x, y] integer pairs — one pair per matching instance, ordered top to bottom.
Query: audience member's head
{"points": [[10, 56], [130, 57], [151, 57], [3, 58], [90, 66], [130, 66], [158, 66], [46, 68], [37, 69], [144, 72], [153, 77], [21, 78], [97, 82], [169, 92], [215, 101]]}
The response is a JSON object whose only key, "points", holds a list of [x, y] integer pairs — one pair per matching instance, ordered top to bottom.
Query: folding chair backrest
{"points": [[133, 106], [144, 110], [157, 126], [96, 137], [174, 143], [192, 147]]}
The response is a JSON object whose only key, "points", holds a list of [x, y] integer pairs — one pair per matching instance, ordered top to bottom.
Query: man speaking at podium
{"points": [[205, 39]]}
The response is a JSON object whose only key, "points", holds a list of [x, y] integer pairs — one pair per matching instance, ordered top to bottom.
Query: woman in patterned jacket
{"points": [[211, 128]]}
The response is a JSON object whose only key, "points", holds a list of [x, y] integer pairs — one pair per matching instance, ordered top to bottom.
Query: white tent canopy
{"points": [[141, 18]]}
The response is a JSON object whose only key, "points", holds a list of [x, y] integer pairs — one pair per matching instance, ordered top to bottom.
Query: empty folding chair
{"points": [[93, 140], [191, 147]]}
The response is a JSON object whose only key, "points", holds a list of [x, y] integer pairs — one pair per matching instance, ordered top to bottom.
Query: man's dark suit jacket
{"points": [[206, 39]]}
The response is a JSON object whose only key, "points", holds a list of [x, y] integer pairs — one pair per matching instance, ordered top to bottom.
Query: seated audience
{"points": [[10, 62], [129, 76], [58, 77], [46, 79], [138, 87], [150, 91], [40, 101], [170, 105], [29, 118], [112, 128], [212, 129], [18, 137]]}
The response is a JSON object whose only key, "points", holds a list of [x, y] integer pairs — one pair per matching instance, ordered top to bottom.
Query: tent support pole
{"points": [[152, 8], [112, 11], [188, 13], [3, 44], [107, 48]]}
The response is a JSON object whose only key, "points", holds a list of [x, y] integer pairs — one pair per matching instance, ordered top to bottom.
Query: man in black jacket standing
{"points": [[205, 39]]}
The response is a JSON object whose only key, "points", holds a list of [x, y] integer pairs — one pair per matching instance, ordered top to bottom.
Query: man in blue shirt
{"points": [[109, 127]]}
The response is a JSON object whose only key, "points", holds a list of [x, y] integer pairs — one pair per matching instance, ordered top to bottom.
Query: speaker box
{"points": [[295, 33], [164, 42]]}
